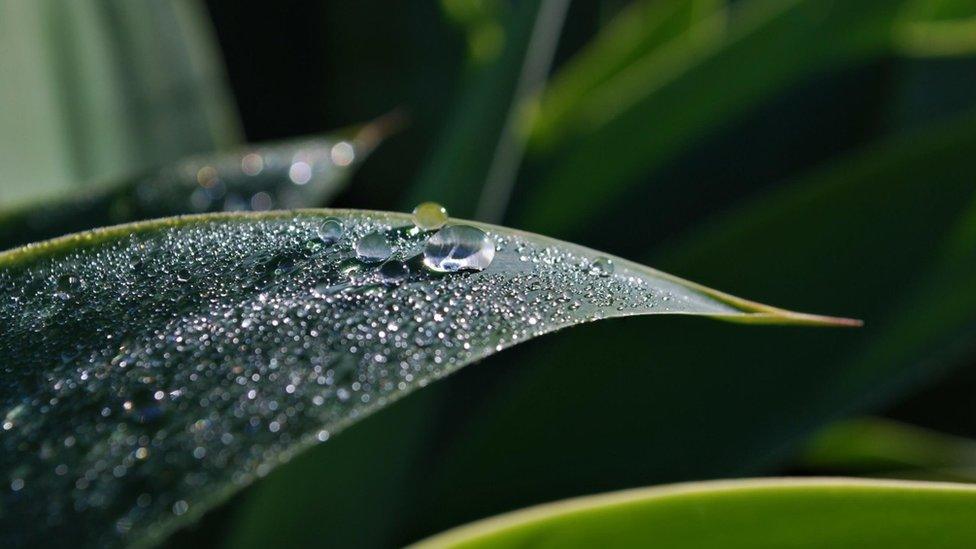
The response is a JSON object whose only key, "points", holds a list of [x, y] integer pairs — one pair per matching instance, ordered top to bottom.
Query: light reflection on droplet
{"points": [[343, 153], [252, 164], [300, 172], [207, 176], [261, 202]]}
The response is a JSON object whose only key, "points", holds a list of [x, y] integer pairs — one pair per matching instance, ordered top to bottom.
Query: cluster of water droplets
{"points": [[143, 374]]}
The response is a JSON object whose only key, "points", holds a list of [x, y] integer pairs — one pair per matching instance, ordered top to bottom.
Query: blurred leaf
{"points": [[938, 28], [639, 31], [96, 90], [640, 119], [479, 146], [285, 175], [879, 214], [150, 370], [882, 447], [747, 513]]}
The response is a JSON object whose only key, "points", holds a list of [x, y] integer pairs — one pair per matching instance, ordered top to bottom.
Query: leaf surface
{"points": [[149, 370], [744, 513]]}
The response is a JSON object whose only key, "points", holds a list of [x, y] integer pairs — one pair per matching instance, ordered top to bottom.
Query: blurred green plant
{"points": [[96, 90], [881, 447]]}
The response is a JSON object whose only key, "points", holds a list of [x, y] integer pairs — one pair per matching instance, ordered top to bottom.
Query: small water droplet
{"points": [[429, 216], [330, 230], [459, 247], [373, 248], [349, 266], [602, 266], [392, 272], [69, 284], [325, 289], [180, 507]]}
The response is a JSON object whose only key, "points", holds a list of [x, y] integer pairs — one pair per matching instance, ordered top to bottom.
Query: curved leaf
{"points": [[291, 174], [151, 369], [744, 513]]}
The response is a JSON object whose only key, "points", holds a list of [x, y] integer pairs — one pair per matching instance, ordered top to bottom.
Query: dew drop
{"points": [[429, 216], [330, 230], [459, 247], [373, 248], [349, 266], [602, 266], [393, 272], [68, 284]]}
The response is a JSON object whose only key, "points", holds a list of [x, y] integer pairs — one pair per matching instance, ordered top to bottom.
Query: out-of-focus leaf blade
{"points": [[938, 28], [638, 31], [99, 90], [633, 124], [480, 127], [290, 174], [149, 370], [882, 447], [771, 513]]}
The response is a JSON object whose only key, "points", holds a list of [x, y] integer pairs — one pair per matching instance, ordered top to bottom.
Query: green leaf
{"points": [[639, 31], [98, 90], [635, 123], [289, 174], [152, 369], [744, 513]]}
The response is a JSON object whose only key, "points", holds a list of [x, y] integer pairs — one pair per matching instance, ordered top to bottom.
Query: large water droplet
{"points": [[429, 216], [330, 230], [459, 247], [373, 248]]}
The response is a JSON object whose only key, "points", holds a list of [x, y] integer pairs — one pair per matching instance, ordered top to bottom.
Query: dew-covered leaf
{"points": [[298, 173], [150, 370]]}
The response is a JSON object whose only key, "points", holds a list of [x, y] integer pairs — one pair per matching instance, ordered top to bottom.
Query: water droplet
{"points": [[429, 216], [330, 230], [459, 247], [373, 248], [349, 266], [602, 266], [393, 272], [69, 284]]}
